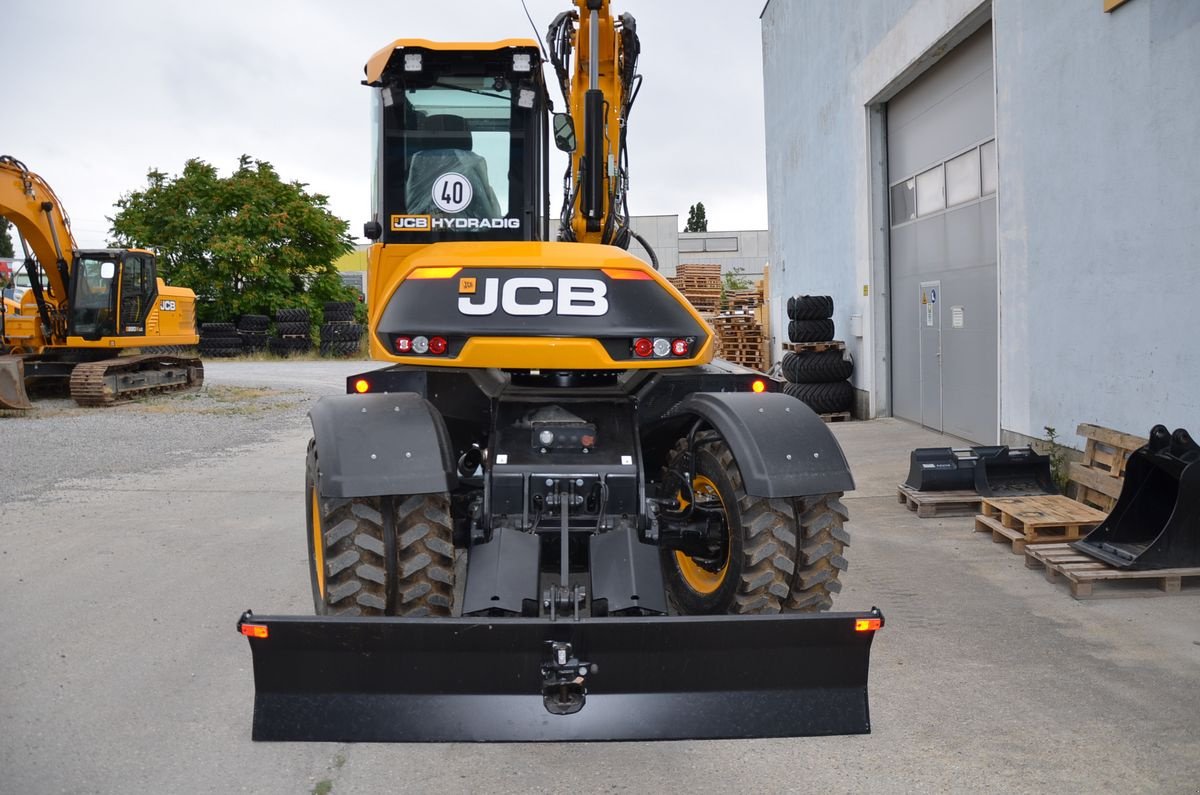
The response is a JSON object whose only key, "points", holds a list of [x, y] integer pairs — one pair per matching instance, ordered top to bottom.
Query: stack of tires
{"points": [[810, 318], [253, 331], [293, 332], [340, 335], [219, 340], [816, 366]]}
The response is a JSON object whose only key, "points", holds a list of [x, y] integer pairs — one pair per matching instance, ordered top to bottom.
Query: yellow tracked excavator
{"points": [[85, 309], [651, 536]]}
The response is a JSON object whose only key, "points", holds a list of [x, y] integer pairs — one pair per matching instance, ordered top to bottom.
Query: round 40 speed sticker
{"points": [[452, 192]]}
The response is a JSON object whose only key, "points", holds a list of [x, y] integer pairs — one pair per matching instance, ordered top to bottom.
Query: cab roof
{"points": [[379, 61]]}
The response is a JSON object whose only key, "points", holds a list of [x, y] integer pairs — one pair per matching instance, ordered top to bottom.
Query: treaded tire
{"points": [[339, 306], [810, 307], [293, 316], [253, 323], [293, 328], [218, 330], [810, 330], [341, 331], [340, 348], [220, 352], [816, 367], [823, 398], [381, 555], [820, 559], [761, 560]]}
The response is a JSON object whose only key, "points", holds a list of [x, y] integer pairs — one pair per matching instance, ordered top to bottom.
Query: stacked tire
{"points": [[810, 318], [253, 331], [293, 332], [340, 335], [219, 340], [819, 376]]}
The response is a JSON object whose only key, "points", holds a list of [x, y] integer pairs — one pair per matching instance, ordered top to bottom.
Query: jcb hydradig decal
{"points": [[427, 223], [535, 295]]}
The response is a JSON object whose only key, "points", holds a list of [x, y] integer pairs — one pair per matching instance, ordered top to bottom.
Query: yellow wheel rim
{"points": [[318, 542], [701, 579]]}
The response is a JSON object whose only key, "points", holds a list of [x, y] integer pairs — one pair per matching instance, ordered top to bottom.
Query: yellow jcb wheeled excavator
{"points": [[94, 306], [650, 535]]}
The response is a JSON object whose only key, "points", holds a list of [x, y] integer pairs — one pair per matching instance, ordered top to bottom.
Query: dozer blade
{"points": [[12, 384], [530, 680]]}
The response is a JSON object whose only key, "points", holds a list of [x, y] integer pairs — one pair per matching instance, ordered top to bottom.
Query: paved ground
{"points": [[121, 670]]}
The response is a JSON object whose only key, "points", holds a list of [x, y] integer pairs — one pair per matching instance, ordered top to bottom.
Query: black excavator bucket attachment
{"points": [[1013, 473], [1156, 521], [527, 680]]}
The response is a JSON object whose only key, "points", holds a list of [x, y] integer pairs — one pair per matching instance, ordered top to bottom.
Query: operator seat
{"points": [[449, 151]]}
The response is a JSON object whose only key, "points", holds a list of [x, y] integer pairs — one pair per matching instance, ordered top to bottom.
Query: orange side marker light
{"points": [[434, 273], [362, 385], [759, 385], [867, 624], [254, 630]]}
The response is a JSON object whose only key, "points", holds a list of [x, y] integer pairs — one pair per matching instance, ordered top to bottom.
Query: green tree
{"points": [[697, 221], [6, 243], [248, 243]]}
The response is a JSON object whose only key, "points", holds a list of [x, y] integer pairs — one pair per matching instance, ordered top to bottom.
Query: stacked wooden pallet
{"points": [[701, 285], [739, 339], [1099, 476], [1083, 572]]}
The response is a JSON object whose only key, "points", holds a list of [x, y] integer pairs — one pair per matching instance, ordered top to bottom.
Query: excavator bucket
{"points": [[12, 384], [946, 468], [1014, 473], [1156, 521], [337, 679]]}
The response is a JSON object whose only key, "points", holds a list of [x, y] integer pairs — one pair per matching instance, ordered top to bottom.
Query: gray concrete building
{"points": [[1003, 199]]}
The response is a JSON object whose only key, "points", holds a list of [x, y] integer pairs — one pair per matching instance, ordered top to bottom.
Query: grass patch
{"points": [[324, 787]]}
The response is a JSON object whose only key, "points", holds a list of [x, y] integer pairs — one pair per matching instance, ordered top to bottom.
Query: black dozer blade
{"points": [[992, 471], [1156, 521], [335, 679]]}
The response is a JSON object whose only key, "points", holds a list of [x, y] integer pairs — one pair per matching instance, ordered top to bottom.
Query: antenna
{"points": [[536, 36]]}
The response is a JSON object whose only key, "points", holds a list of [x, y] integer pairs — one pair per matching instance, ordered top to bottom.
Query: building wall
{"points": [[1099, 167], [1099, 186], [660, 231], [746, 249]]}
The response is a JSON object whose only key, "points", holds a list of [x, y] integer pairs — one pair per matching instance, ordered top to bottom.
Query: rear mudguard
{"points": [[381, 444], [782, 448], [335, 679]]}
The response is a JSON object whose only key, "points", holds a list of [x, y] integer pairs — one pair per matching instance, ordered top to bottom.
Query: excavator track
{"points": [[125, 378]]}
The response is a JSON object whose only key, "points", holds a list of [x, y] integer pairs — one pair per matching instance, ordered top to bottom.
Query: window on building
{"points": [[987, 155], [962, 178], [931, 191], [904, 201], [721, 244]]}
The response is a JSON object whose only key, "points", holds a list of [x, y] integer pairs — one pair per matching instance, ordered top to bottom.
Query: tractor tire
{"points": [[810, 307], [338, 311], [293, 316], [253, 323], [293, 328], [218, 330], [810, 330], [341, 331], [279, 347], [339, 348], [220, 352], [816, 367], [823, 398], [373, 556], [820, 558], [759, 562]]}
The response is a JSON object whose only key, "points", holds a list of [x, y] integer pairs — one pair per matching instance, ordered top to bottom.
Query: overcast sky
{"points": [[94, 94]]}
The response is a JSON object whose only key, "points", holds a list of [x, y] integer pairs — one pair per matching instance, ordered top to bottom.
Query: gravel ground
{"points": [[240, 404], [155, 529]]}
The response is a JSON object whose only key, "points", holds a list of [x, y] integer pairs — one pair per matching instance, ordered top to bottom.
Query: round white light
{"points": [[420, 345], [662, 346], [546, 437]]}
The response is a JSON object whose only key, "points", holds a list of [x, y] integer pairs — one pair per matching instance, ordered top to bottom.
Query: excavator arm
{"points": [[595, 56], [30, 204]]}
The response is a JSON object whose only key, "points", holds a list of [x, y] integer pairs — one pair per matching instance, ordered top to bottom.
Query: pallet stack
{"points": [[701, 286], [739, 339]]}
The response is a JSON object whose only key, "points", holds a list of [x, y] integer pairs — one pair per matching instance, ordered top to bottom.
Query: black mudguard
{"points": [[381, 444], [781, 446], [330, 679]]}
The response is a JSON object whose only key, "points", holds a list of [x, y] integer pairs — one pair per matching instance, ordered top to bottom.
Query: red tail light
{"points": [[403, 345], [437, 345], [643, 346], [679, 347]]}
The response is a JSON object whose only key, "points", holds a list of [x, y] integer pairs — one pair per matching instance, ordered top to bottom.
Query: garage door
{"points": [[942, 178]]}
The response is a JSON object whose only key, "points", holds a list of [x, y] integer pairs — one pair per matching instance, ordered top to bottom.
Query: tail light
{"points": [[403, 344], [643, 347]]}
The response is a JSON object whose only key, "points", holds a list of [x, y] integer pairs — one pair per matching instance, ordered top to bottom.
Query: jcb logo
{"points": [[410, 223], [526, 296], [167, 305]]}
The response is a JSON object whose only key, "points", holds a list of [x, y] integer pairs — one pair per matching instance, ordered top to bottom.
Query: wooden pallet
{"points": [[797, 347], [837, 416], [1099, 476], [929, 504], [1035, 520], [1082, 572]]}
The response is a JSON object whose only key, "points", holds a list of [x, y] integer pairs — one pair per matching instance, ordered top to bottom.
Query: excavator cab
{"points": [[461, 142], [112, 291]]}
